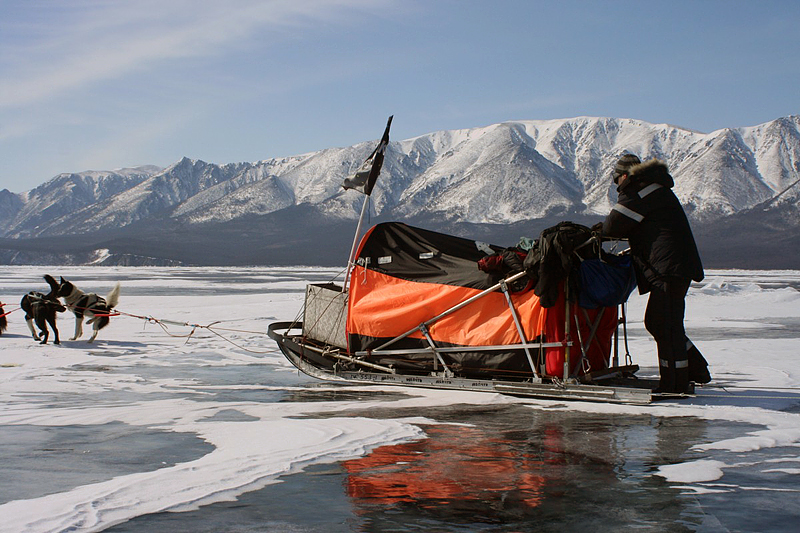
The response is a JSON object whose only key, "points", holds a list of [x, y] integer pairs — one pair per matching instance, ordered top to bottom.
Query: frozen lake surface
{"points": [[185, 428]]}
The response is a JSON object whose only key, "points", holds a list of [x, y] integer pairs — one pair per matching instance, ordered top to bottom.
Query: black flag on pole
{"points": [[365, 177]]}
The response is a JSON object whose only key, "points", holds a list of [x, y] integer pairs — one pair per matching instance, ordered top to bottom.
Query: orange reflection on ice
{"points": [[454, 463]]}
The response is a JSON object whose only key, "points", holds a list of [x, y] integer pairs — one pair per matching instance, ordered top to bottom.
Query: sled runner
{"points": [[425, 309]]}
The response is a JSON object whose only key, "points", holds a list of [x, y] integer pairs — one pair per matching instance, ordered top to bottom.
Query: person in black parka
{"points": [[665, 260]]}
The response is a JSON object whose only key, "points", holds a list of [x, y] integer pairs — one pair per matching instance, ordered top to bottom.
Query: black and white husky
{"points": [[94, 307], [42, 308]]}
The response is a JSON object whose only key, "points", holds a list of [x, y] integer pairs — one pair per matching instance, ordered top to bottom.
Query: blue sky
{"points": [[99, 85]]}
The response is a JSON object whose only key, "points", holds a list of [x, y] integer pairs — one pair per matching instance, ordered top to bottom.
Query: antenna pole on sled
{"points": [[352, 258]]}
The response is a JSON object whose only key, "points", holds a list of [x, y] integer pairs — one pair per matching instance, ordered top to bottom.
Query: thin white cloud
{"points": [[110, 40]]}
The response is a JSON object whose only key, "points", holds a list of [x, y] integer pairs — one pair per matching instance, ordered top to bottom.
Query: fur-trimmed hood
{"points": [[651, 171]]}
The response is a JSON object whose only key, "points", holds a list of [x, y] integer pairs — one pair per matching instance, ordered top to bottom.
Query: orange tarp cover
{"points": [[400, 305]]}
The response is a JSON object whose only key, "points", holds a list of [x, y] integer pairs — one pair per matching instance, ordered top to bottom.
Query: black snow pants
{"points": [[664, 320]]}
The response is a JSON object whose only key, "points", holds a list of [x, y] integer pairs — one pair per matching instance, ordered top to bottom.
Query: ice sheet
{"points": [[761, 381]]}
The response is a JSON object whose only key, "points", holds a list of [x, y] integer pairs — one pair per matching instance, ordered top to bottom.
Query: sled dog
{"points": [[89, 305], [41, 309], [3, 321]]}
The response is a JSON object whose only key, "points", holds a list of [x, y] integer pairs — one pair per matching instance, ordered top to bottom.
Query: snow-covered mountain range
{"points": [[499, 175]]}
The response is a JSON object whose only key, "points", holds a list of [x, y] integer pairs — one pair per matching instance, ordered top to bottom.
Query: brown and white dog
{"points": [[89, 305], [42, 308]]}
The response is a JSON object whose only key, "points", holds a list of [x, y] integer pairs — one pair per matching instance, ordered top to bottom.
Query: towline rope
{"points": [[8, 313], [163, 323], [212, 327]]}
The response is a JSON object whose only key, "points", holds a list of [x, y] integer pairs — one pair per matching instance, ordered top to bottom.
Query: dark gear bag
{"points": [[607, 282]]}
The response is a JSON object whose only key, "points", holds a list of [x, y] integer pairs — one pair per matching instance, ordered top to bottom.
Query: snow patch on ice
{"points": [[783, 470], [693, 471]]}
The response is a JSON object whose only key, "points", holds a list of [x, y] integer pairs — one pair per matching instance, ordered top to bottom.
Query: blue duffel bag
{"points": [[606, 283]]}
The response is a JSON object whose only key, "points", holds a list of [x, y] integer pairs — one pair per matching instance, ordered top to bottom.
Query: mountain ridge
{"points": [[508, 173]]}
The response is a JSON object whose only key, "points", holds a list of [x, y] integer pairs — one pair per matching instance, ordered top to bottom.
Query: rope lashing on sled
{"points": [[300, 313]]}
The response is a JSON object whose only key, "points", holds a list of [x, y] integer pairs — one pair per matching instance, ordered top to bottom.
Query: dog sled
{"points": [[426, 309]]}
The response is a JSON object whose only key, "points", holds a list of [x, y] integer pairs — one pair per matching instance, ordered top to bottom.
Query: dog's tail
{"points": [[112, 298]]}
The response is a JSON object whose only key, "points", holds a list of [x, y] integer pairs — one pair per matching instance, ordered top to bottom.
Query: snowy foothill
{"points": [[189, 357]]}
